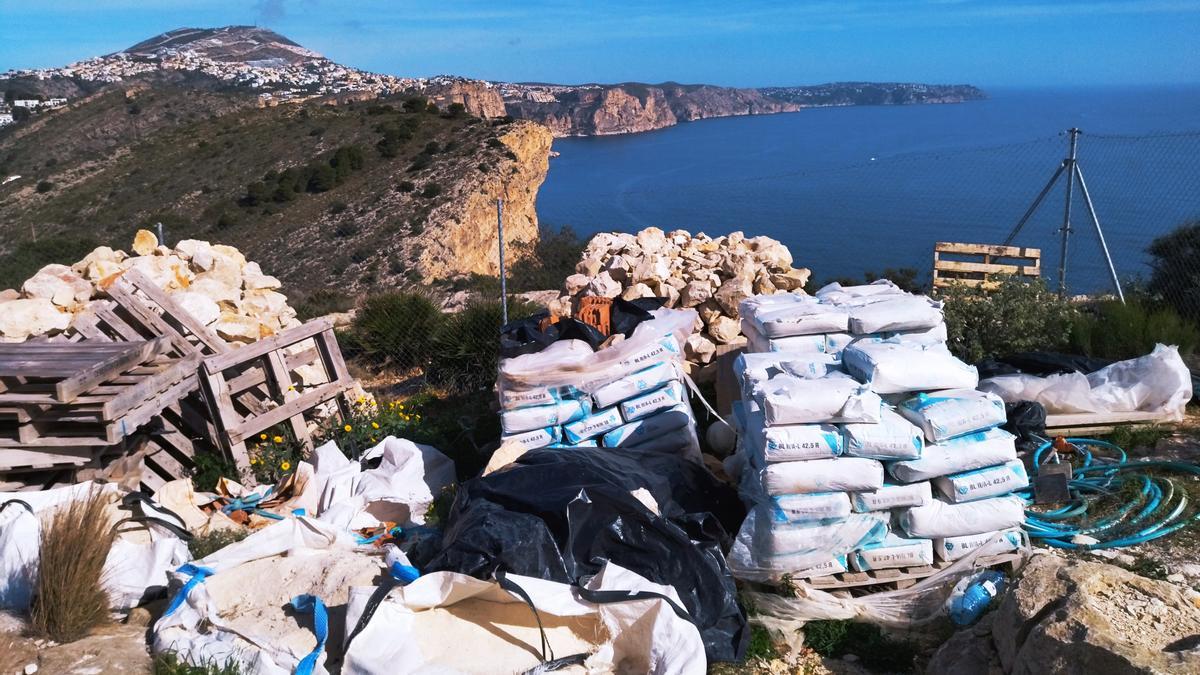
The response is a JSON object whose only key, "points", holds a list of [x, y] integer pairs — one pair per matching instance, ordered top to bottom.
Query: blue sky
{"points": [[746, 42]]}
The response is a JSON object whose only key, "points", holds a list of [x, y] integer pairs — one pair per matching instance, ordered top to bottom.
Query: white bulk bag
{"points": [[893, 367], [836, 397], [948, 414], [892, 438], [964, 453], [844, 474], [991, 481], [892, 496], [939, 519], [894, 551]]}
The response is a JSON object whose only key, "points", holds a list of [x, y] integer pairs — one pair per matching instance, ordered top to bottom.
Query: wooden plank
{"points": [[987, 249], [986, 268], [987, 284], [173, 312], [147, 318], [119, 325], [137, 354], [220, 362], [335, 367], [256, 376], [280, 381], [216, 392], [133, 396], [306, 401], [20, 457]]}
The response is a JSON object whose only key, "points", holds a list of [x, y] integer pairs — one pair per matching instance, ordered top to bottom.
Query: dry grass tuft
{"points": [[69, 599]]}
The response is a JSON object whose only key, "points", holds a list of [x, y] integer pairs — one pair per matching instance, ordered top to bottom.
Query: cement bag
{"points": [[837, 294], [896, 313], [797, 318], [921, 336], [816, 343], [892, 367], [754, 369], [636, 384], [837, 397], [511, 399], [645, 405], [949, 414], [542, 416], [596, 424], [648, 428], [892, 438], [532, 440], [793, 442], [974, 451], [844, 474], [991, 481], [892, 496], [808, 507], [939, 519], [955, 548], [765, 551], [894, 551], [835, 565], [451, 623]]}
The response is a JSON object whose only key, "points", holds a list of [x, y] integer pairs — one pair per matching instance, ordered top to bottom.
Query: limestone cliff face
{"points": [[481, 99], [620, 112], [461, 237]]}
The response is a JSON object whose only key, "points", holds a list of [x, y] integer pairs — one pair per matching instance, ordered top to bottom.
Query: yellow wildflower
{"points": [[402, 406], [374, 425], [348, 428], [262, 437], [278, 439], [373, 440], [254, 460], [285, 465]]}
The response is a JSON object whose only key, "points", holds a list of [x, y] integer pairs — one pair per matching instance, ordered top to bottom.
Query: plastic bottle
{"points": [[970, 600]]}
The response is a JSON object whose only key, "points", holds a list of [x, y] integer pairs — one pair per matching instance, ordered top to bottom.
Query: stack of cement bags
{"points": [[629, 394], [853, 413]]}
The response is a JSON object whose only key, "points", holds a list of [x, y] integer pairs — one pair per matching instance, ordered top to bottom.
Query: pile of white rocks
{"points": [[712, 275], [213, 282]]}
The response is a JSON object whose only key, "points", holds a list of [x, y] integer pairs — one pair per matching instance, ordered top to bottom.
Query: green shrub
{"points": [[44, 186], [431, 190], [27, 257], [1175, 270], [321, 302], [1016, 316], [397, 327], [1116, 331], [466, 347], [210, 467], [206, 544], [877, 651], [169, 663]]}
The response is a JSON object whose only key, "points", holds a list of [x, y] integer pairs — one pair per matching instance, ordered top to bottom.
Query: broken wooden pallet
{"points": [[981, 264], [66, 370], [1100, 424], [904, 577]]}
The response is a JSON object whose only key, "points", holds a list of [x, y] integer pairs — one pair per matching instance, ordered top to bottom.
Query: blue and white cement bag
{"points": [[837, 294], [896, 313], [803, 317], [921, 336], [894, 367], [755, 369], [638, 383], [836, 397], [511, 399], [643, 406], [948, 414], [541, 416], [593, 425], [647, 428], [892, 438], [532, 440], [793, 442], [964, 453], [844, 474], [991, 481], [892, 496], [808, 507], [939, 519], [833, 536], [954, 548], [894, 551], [835, 565]]}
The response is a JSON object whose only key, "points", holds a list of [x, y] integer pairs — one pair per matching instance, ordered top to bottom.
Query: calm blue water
{"points": [[866, 188]]}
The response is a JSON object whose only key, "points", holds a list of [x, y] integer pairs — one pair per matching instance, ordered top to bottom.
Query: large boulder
{"points": [[60, 284], [21, 319]]}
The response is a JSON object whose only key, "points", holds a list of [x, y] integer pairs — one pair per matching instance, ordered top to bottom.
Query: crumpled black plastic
{"points": [[627, 314], [1041, 364], [1026, 421], [560, 515]]}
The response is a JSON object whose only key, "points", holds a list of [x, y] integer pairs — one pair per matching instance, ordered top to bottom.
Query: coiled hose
{"points": [[1157, 505]]}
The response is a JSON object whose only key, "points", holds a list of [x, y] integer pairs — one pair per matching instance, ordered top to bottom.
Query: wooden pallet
{"points": [[977, 264], [65, 370], [1100, 424], [904, 577]]}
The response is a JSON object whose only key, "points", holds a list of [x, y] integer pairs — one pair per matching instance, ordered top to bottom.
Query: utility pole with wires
{"points": [[1070, 167]]}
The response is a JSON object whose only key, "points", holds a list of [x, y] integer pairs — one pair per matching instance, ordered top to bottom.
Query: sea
{"points": [[864, 189]]}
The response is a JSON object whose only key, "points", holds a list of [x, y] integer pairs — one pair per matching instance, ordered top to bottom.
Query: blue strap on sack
{"points": [[405, 574], [198, 575], [306, 604]]}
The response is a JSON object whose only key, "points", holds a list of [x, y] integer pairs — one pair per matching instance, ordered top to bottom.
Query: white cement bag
{"points": [[837, 294], [896, 313], [800, 318], [920, 336], [806, 344], [893, 367], [755, 369], [636, 384], [837, 397], [511, 399], [643, 406], [947, 414], [539, 417], [596, 424], [648, 428], [892, 438], [532, 440], [793, 442], [964, 453], [844, 474], [991, 481], [892, 496], [808, 507], [939, 519], [955, 548], [765, 551], [894, 551], [835, 565], [453, 624]]}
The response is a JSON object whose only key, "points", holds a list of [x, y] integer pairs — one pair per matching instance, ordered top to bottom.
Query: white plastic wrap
{"points": [[837, 294], [896, 313], [803, 317], [920, 336], [893, 367], [755, 369], [1157, 382], [633, 385], [668, 397], [836, 397], [948, 414], [542, 416], [596, 424], [647, 428], [893, 437], [532, 440], [964, 453], [844, 474], [991, 481], [892, 496], [808, 507], [939, 519], [956, 548], [764, 550], [894, 551], [835, 565]]}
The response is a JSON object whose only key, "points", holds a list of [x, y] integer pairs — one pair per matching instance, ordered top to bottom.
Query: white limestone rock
{"points": [[59, 284], [203, 308], [27, 317], [699, 348]]}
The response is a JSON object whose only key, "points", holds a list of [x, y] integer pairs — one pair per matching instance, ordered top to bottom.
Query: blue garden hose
{"points": [[1158, 508]]}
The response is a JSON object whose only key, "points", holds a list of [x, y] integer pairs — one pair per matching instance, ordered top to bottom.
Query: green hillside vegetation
{"points": [[340, 184]]}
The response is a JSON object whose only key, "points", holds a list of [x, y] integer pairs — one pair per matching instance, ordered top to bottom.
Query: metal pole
{"points": [[1069, 164], [1087, 199], [1036, 203], [161, 240], [503, 282]]}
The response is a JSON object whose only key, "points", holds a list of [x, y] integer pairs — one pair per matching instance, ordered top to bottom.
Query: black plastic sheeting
{"points": [[524, 336], [1026, 421], [560, 515]]}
